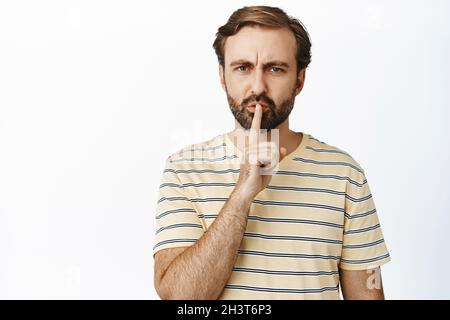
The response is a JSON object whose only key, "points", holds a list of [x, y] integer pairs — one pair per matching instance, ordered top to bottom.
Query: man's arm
{"points": [[202, 270], [361, 284]]}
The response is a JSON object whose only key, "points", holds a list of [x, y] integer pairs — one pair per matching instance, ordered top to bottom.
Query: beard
{"points": [[272, 117]]}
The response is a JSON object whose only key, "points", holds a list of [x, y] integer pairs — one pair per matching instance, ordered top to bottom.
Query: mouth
{"points": [[251, 107]]}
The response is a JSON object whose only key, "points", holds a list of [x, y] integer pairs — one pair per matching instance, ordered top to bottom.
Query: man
{"points": [[281, 215]]}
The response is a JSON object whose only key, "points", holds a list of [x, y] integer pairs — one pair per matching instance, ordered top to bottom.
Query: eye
{"points": [[242, 68], [276, 69]]}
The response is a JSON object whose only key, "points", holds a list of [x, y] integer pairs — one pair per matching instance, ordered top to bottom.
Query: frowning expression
{"points": [[260, 66]]}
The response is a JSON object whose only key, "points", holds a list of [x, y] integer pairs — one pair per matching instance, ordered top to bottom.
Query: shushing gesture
{"points": [[259, 158]]}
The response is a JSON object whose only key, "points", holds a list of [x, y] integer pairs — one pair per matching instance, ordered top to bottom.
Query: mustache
{"points": [[258, 98]]}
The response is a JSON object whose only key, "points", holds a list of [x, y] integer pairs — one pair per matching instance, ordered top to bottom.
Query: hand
{"points": [[259, 160]]}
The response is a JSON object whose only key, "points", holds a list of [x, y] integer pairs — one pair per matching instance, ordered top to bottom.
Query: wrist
{"points": [[241, 196]]}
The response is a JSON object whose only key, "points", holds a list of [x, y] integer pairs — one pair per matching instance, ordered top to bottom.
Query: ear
{"points": [[222, 76], [300, 81]]}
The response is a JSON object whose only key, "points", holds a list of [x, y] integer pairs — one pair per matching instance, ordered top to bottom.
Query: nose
{"points": [[259, 85]]}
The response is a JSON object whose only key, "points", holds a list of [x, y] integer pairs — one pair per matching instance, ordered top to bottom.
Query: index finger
{"points": [[256, 125]]}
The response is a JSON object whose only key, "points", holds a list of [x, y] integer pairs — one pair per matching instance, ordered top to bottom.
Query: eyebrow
{"points": [[268, 64]]}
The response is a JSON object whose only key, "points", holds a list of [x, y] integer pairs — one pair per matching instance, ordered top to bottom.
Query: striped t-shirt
{"points": [[315, 216]]}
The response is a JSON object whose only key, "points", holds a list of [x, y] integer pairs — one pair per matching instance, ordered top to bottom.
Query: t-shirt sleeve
{"points": [[176, 222], [363, 242]]}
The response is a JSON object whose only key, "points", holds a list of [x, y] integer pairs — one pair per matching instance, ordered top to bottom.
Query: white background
{"points": [[94, 95]]}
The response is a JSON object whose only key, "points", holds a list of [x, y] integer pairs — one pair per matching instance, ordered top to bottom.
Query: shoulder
{"points": [[208, 150], [322, 153]]}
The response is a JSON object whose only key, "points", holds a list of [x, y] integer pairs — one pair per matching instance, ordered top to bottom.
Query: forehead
{"points": [[256, 42]]}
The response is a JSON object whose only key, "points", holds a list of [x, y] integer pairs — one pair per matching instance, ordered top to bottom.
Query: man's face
{"points": [[260, 66]]}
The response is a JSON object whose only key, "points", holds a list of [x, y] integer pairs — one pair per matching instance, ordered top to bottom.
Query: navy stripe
{"points": [[315, 139], [203, 149], [327, 150], [206, 159], [328, 163], [201, 171], [279, 172], [316, 175], [208, 184], [233, 184], [172, 185], [272, 187], [305, 189], [172, 199], [216, 199], [358, 199], [276, 203], [297, 204], [184, 210], [359, 215], [207, 216], [283, 220], [304, 221], [180, 225], [363, 229], [277, 237], [173, 241], [362, 245], [287, 255], [365, 260], [287, 272], [281, 290]]}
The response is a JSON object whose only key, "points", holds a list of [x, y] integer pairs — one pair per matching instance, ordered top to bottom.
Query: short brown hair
{"points": [[269, 17]]}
